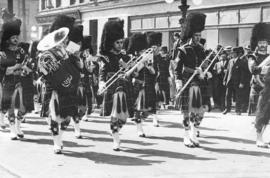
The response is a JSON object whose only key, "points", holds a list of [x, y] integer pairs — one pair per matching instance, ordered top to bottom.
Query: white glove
{"points": [[265, 69], [200, 72], [209, 75], [179, 84], [101, 86]]}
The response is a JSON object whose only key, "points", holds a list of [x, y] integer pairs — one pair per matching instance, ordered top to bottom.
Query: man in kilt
{"points": [[154, 40], [259, 42], [136, 46], [190, 57], [12, 64], [60, 71], [260, 82], [117, 101]]}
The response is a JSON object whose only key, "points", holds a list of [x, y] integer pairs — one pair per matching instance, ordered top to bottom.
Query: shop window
{"points": [[81, 1], [72, 2], [57, 3], [43, 4], [266, 14], [250, 15], [229, 17], [211, 18], [174, 21], [162, 22], [148, 23], [136, 24], [211, 36], [244, 36], [228, 37]]}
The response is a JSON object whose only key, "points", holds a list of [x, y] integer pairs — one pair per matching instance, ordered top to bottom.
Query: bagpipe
{"points": [[206, 64], [128, 68]]}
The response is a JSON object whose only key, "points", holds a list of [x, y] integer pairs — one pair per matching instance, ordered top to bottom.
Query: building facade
{"points": [[26, 10], [227, 22]]}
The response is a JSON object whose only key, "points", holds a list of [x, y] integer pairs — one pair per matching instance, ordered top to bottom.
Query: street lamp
{"points": [[183, 8]]}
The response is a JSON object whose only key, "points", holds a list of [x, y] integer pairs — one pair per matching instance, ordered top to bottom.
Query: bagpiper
{"points": [[259, 42], [191, 55], [13, 65], [60, 72], [260, 82], [117, 101]]}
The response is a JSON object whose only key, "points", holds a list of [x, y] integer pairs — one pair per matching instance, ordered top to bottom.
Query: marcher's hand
{"points": [[264, 69], [209, 75], [179, 84], [241, 85], [101, 87]]}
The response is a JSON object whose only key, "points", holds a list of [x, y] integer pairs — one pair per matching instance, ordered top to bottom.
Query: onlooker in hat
{"points": [[176, 44], [219, 73], [232, 80]]}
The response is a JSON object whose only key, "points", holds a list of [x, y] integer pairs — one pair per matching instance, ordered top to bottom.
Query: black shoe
{"points": [[20, 135], [142, 135], [79, 137], [14, 138], [116, 149], [57, 151]]}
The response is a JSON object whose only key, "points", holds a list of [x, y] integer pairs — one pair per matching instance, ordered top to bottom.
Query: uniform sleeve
{"points": [[179, 65], [253, 68], [103, 70]]}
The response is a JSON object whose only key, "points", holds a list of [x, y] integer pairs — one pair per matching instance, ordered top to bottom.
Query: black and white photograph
{"points": [[134, 88]]}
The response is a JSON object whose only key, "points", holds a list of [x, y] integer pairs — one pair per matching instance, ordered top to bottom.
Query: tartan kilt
{"points": [[85, 83], [9, 86], [164, 86], [150, 91], [28, 93], [108, 97], [184, 99], [68, 103]]}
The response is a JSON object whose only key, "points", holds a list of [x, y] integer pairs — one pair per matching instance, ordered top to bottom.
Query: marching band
{"points": [[131, 78]]}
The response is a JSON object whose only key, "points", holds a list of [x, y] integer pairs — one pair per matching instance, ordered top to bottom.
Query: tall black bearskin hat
{"points": [[62, 21], [194, 23], [11, 28], [112, 31], [260, 31], [76, 34], [154, 38], [137, 42], [87, 44], [125, 44]]}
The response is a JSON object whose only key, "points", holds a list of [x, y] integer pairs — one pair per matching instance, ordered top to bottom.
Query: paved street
{"points": [[227, 150]]}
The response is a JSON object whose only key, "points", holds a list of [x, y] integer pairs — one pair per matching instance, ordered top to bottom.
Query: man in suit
{"points": [[219, 73], [232, 81]]}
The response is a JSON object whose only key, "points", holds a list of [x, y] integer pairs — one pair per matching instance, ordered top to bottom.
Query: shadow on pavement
{"points": [[36, 121], [36, 133], [103, 139], [176, 139], [240, 140], [50, 142], [238, 152], [167, 154], [103, 158]]}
